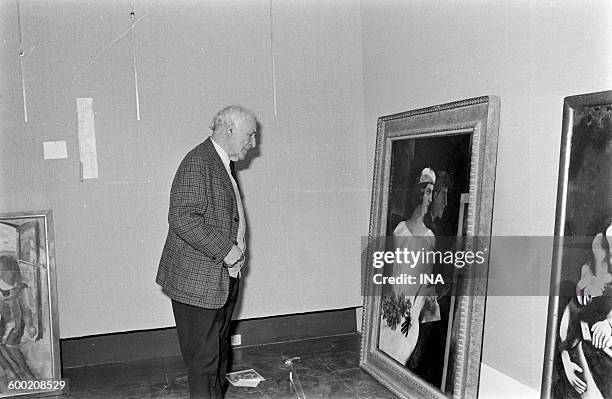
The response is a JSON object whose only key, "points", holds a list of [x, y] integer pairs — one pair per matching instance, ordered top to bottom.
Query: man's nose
{"points": [[253, 143]]}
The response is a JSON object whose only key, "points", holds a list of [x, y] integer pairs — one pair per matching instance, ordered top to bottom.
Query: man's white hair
{"points": [[233, 114]]}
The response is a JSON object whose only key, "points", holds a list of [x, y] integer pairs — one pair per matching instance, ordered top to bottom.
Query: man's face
{"points": [[241, 138], [427, 196], [439, 203]]}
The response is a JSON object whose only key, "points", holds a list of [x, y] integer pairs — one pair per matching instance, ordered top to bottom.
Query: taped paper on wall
{"points": [[87, 139], [55, 150]]}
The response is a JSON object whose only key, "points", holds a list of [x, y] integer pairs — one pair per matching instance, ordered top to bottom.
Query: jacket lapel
{"points": [[211, 153]]}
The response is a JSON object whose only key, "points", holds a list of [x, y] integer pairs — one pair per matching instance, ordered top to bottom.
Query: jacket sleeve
{"points": [[188, 203]]}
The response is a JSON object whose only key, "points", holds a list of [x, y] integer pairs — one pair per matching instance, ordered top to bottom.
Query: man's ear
{"points": [[229, 128]]}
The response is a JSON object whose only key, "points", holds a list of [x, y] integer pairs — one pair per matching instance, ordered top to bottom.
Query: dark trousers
{"points": [[204, 340]]}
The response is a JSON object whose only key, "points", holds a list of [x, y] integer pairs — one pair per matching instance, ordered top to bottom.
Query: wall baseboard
{"points": [[133, 345]]}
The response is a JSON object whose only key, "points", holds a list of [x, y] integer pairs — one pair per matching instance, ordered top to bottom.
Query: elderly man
{"points": [[205, 249]]}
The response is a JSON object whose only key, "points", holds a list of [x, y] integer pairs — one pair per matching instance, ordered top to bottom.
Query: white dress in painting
{"points": [[407, 305]]}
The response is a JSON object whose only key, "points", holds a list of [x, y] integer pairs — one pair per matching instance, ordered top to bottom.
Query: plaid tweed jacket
{"points": [[203, 225]]}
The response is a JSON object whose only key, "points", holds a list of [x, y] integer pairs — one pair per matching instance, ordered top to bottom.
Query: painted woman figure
{"points": [[406, 305], [16, 322], [586, 325]]}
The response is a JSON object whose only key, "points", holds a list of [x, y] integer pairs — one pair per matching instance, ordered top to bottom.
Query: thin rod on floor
{"points": [[294, 378]]}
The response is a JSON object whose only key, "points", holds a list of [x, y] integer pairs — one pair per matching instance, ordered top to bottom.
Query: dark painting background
{"points": [[410, 156], [588, 211]]}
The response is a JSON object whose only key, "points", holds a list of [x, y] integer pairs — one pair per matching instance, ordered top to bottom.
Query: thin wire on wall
{"points": [[132, 15], [21, 56], [272, 57], [94, 58]]}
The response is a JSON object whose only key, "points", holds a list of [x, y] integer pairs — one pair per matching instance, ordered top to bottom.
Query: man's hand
{"points": [[234, 256], [234, 271], [406, 326], [602, 334], [571, 369]]}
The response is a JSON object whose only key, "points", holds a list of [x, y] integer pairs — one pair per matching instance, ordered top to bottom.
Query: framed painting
{"points": [[427, 252], [29, 334], [578, 355]]}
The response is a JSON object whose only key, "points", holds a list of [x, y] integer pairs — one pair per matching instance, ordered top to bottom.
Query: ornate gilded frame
{"points": [[478, 118]]}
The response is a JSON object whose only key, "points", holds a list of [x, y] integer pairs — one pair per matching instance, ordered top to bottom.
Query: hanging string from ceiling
{"points": [[132, 17], [21, 57], [272, 57]]}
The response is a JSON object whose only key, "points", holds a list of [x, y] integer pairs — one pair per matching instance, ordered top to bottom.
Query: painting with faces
{"points": [[432, 196], [419, 339], [29, 344], [579, 345]]}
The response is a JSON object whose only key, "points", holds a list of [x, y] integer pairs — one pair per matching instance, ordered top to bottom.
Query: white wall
{"points": [[530, 53], [338, 64], [306, 192]]}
